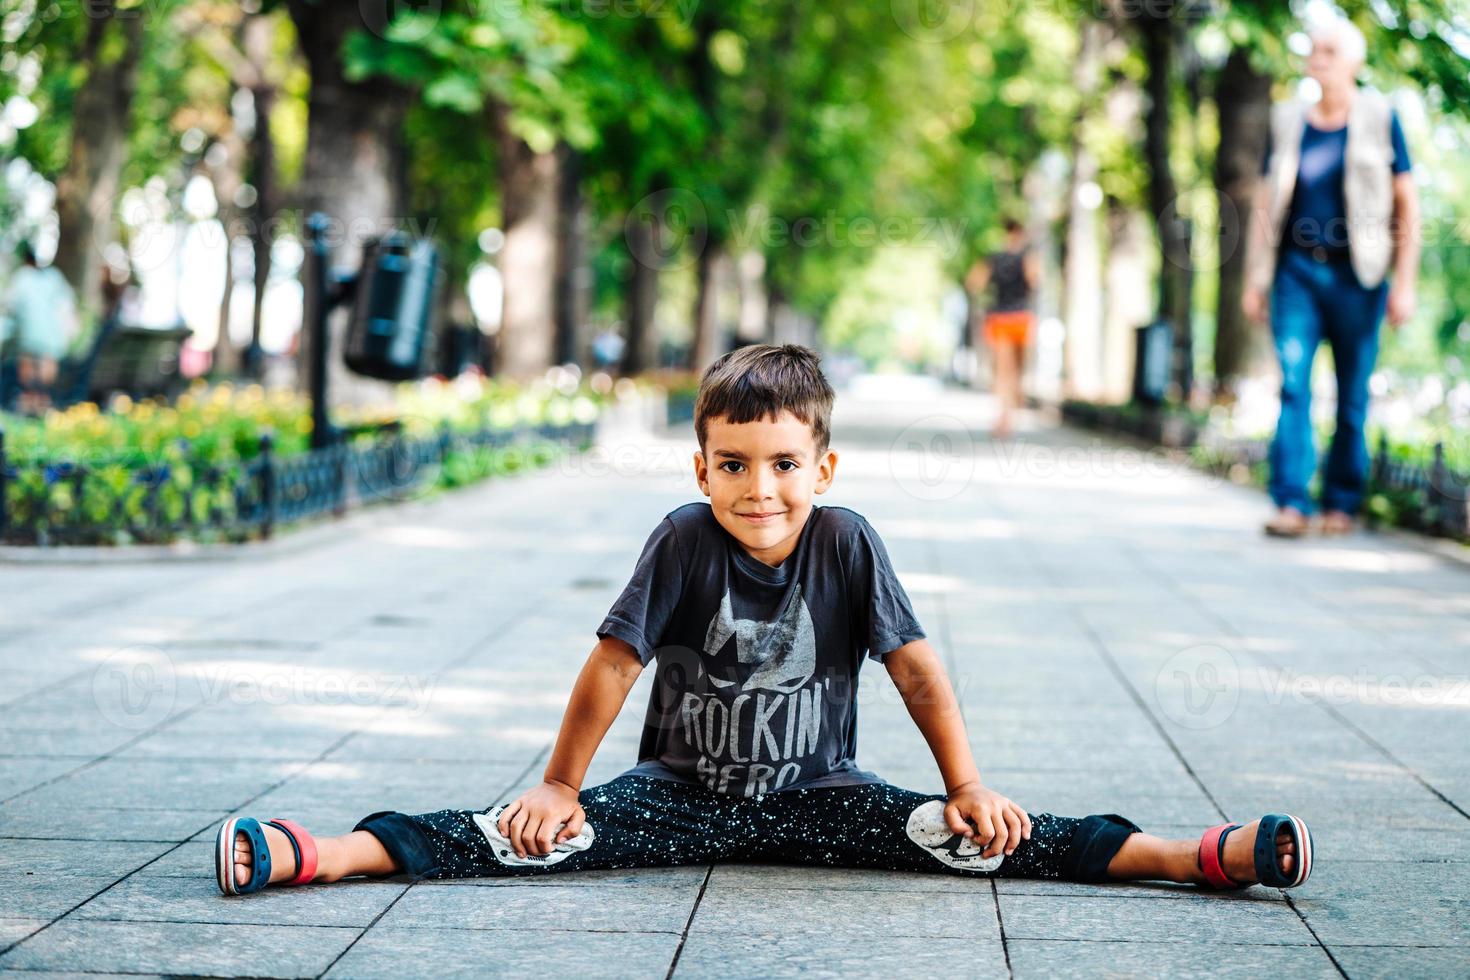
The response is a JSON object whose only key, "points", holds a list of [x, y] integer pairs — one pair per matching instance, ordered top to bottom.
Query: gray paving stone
{"points": [[512, 746], [19, 775], [138, 782], [59, 821], [56, 857], [680, 876], [785, 876], [1127, 889], [47, 896], [197, 899], [1379, 904], [546, 905], [792, 911], [1265, 920], [15, 928], [181, 947], [392, 953], [810, 955], [1069, 958], [1403, 962]]}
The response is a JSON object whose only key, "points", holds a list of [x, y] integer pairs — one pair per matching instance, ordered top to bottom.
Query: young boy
{"points": [[760, 608]]}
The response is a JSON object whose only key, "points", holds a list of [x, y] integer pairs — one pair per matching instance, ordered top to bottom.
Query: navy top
{"points": [[1318, 213], [756, 686]]}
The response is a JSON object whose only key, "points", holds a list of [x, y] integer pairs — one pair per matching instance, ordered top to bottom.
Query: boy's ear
{"points": [[701, 471], [826, 471]]}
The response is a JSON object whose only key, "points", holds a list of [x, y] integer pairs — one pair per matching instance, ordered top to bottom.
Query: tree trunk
{"points": [[258, 37], [1243, 98], [354, 169], [227, 178], [530, 188], [86, 192], [643, 239], [1174, 267], [1082, 269], [572, 275], [1129, 302], [750, 325], [708, 338]]}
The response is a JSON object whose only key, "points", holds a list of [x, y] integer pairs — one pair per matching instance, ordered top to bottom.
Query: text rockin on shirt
{"points": [[758, 666]]}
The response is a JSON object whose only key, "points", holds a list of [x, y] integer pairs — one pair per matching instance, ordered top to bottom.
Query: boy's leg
{"points": [[634, 821], [885, 826]]}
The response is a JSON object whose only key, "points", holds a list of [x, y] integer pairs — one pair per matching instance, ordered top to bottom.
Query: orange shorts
{"points": [[1012, 326]]}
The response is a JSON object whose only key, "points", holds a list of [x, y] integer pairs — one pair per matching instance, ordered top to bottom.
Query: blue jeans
{"points": [[1310, 301]]}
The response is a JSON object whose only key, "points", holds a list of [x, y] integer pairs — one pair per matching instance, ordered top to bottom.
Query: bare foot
{"points": [[1336, 522], [1240, 862]]}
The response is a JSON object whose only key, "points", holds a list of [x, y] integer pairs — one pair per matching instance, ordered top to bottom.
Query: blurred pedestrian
{"points": [[1332, 217], [1014, 272], [43, 309]]}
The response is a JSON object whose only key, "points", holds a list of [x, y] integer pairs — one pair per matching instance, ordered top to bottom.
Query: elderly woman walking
{"points": [[1336, 209]]}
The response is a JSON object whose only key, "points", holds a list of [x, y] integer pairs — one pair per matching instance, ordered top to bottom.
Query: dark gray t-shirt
{"points": [[756, 684]]}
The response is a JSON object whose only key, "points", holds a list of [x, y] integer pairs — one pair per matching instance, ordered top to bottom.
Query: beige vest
{"points": [[1367, 185]]}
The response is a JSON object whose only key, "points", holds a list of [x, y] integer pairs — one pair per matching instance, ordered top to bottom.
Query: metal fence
{"points": [[1425, 494], [114, 501]]}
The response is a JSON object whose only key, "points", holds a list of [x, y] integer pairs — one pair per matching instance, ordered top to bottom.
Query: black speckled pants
{"points": [[643, 821]]}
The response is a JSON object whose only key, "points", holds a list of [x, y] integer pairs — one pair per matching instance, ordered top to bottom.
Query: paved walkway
{"points": [[1122, 638]]}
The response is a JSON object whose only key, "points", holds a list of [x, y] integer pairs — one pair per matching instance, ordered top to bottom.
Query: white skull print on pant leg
{"points": [[927, 828], [506, 854]]}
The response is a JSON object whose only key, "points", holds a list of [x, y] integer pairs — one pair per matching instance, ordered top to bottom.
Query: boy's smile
{"points": [[760, 477]]}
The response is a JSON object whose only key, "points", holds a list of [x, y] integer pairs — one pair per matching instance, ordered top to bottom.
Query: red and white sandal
{"points": [[303, 845], [1212, 853]]}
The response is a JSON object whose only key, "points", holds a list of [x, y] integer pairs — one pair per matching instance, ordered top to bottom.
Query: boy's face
{"points": [[760, 477]]}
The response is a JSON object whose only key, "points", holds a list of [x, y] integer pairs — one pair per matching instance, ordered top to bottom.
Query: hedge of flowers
{"points": [[182, 462]]}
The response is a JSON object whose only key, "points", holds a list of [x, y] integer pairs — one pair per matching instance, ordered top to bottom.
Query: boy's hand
{"points": [[999, 821], [530, 822]]}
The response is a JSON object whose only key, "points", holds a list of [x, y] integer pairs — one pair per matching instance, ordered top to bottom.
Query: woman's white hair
{"points": [[1350, 41]]}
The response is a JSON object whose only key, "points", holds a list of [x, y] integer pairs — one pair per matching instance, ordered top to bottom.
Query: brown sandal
{"points": [[1337, 522], [1288, 523]]}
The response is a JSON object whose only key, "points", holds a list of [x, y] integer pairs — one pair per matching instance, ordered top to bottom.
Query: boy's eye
{"points": [[785, 465]]}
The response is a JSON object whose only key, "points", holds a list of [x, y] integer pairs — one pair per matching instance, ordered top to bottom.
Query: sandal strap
{"points": [[304, 847], [1211, 856]]}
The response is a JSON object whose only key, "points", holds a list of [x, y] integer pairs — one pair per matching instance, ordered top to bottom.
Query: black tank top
{"points": [[1012, 292]]}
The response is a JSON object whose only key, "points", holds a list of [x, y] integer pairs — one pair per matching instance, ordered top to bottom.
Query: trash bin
{"points": [[392, 308], [1152, 350]]}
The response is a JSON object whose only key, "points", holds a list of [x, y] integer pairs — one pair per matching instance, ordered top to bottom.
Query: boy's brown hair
{"points": [[761, 380]]}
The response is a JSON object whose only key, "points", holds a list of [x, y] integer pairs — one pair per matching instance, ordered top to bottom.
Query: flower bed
{"points": [[230, 464]]}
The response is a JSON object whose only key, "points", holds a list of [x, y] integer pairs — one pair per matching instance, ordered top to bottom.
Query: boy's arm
{"points": [[919, 675], [598, 695], [530, 823]]}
